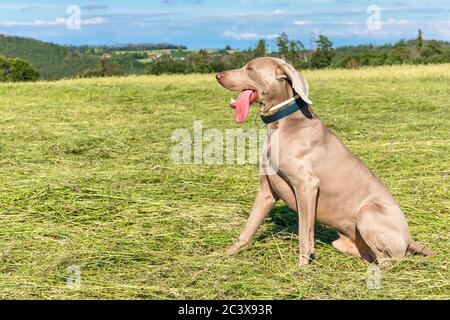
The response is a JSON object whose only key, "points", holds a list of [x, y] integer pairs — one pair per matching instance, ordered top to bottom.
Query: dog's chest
{"points": [[270, 167]]}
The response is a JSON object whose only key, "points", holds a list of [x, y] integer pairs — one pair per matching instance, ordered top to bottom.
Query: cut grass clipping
{"points": [[91, 205]]}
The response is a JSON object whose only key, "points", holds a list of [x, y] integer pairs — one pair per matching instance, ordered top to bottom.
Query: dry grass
{"points": [[86, 179]]}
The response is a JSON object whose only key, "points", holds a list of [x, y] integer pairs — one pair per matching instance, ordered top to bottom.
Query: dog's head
{"points": [[269, 81]]}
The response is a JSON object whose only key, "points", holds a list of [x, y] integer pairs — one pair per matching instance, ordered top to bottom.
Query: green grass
{"points": [[86, 179]]}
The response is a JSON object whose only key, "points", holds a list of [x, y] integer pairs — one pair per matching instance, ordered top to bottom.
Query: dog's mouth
{"points": [[242, 104]]}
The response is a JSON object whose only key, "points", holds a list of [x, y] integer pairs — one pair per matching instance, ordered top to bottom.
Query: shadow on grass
{"points": [[284, 220]]}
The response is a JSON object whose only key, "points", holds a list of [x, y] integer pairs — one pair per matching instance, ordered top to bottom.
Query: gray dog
{"points": [[316, 175]]}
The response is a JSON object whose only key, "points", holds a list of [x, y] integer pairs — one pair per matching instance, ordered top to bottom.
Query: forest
{"points": [[52, 61]]}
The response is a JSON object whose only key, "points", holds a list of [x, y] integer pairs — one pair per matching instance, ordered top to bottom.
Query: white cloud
{"points": [[254, 14], [96, 20], [55, 22], [302, 22], [316, 22], [396, 22], [348, 23], [444, 32], [335, 33], [247, 35]]}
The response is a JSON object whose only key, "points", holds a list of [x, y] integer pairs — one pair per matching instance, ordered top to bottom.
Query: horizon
{"points": [[207, 24], [202, 48]]}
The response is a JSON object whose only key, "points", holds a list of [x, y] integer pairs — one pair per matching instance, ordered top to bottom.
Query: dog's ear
{"points": [[299, 84]]}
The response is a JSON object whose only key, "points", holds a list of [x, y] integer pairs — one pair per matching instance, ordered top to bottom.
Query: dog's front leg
{"points": [[306, 188], [264, 202]]}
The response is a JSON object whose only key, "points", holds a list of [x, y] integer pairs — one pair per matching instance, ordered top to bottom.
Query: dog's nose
{"points": [[218, 76]]}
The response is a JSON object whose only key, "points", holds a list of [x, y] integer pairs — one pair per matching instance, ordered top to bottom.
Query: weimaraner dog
{"points": [[314, 173]]}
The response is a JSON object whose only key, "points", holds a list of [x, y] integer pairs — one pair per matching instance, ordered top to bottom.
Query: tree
{"points": [[419, 40], [282, 43], [324, 43], [228, 48], [295, 48], [432, 48], [261, 50], [203, 53], [399, 55], [322, 57], [200, 62], [168, 66], [105, 68], [108, 68], [15, 70]]}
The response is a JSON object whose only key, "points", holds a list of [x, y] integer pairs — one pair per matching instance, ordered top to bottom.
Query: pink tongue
{"points": [[242, 105]]}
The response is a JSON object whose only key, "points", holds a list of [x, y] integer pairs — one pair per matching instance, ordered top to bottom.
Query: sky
{"points": [[216, 23]]}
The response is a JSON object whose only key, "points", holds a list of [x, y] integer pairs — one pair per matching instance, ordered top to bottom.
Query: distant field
{"points": [[175, 52], [86, 180]]}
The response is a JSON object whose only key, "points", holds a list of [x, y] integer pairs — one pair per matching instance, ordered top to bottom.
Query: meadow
{"points": [[86, 182]]}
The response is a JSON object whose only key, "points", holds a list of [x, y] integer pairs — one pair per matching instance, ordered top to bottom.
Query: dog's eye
{"points": [[250, 69]]}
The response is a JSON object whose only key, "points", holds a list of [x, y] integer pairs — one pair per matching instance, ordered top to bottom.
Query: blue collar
{"points": [[293, 107]]}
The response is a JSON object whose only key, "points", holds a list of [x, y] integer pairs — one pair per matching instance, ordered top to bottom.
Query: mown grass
{"points": [[86, 179]]}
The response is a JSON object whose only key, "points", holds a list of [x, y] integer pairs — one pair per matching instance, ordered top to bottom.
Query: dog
{"points": [[313, 172]]}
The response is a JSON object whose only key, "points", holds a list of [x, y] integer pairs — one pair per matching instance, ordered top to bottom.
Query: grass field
{"points": [[86, 180]]}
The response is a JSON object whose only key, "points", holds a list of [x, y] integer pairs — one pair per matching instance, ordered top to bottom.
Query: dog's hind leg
{"points": [[264, 202], [383, 232]]}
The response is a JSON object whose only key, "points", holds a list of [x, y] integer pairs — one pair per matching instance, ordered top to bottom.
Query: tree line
{"points": [[415, 51], [51, 61]]}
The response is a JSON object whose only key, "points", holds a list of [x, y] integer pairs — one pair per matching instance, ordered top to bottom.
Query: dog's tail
{"points": [[415, 247]]}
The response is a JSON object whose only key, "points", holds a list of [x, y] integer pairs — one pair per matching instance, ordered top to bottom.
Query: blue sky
{"points": [[216, 23]]}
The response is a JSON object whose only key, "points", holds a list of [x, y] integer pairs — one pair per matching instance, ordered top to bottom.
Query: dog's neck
{"points": [[280, 97], [283, 100], [280, 106]]}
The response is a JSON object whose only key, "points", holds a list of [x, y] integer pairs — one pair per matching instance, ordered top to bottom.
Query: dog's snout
{"points": [[219, 76]]}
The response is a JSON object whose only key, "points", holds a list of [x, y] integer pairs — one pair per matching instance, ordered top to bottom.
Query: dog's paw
{"points": [[232, 250], [216, 253], [306, 260]]}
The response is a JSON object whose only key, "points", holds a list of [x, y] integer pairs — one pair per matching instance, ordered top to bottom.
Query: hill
{"points": [[51, 60], [54, 61]]}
